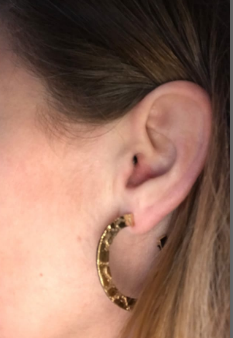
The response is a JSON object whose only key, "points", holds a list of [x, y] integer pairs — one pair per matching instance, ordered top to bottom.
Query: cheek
{"points": [[41, 265], [46, 273], [39, 284]]}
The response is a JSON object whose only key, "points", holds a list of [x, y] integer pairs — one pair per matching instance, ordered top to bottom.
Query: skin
{"points": [[58, 193]]}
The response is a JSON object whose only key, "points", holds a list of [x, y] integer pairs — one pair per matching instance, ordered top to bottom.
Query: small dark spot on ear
{"points": [[135, 160]]}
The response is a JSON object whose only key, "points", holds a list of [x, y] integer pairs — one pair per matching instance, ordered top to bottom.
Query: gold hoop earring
{"points": [[103, 268]]}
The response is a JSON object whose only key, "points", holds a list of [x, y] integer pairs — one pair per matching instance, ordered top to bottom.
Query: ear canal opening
{"points": [[135, 160]]}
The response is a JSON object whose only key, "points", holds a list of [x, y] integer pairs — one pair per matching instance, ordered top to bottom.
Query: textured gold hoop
{"points": [[103, 268]]}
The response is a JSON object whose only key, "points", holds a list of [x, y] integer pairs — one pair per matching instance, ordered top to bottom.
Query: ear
{"points": [[168, 132]]}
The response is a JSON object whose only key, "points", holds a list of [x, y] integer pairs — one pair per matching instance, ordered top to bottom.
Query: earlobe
{"points": [[173, 142]]}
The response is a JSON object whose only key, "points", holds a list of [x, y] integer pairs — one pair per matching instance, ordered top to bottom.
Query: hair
{"points": [[97, 60]]}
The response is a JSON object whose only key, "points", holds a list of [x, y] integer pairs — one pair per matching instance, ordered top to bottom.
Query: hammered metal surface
{"points": [[103, 267]]}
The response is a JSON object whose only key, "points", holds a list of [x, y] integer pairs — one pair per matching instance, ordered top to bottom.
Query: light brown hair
{"points": [[98, 59]]}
